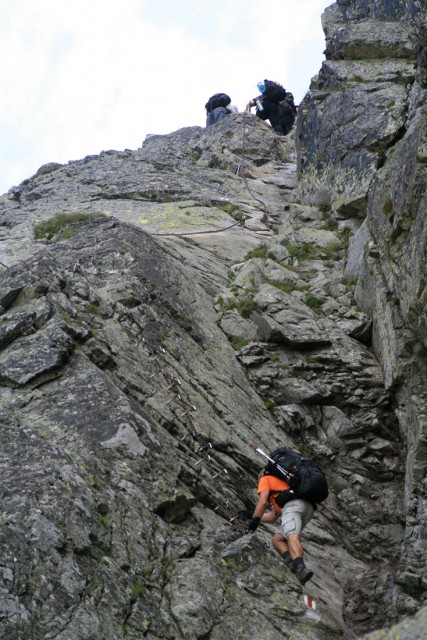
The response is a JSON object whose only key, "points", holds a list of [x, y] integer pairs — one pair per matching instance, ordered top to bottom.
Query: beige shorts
{"points": [[295, 515]]}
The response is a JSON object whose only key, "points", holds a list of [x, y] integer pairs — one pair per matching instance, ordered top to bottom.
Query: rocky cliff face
{"points": [[368, 157], [164, 308]]}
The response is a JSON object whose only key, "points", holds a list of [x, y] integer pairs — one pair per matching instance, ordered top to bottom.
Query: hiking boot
{"points": [[303, 574]]}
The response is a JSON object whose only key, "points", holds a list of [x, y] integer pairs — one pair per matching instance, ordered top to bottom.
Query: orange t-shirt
{"points": [[271, 483]]}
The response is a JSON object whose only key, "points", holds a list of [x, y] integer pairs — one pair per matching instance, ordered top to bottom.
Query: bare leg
{"points": [[279, 543], [281, 546], [295, 546]]}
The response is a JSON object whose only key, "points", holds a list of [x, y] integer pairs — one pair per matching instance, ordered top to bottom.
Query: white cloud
{"points": [[81, 77]]}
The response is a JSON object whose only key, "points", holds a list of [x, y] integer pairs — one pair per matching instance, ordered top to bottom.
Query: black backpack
{"points": [[274, 91], [217, 100], [287, 106], [305, 477]]}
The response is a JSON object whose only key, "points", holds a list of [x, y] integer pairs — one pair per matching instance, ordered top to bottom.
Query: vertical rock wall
{"points": [[362, 153]]}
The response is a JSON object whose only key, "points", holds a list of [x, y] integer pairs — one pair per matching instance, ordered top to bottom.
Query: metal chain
{"points": [[245, 180], [251, 193], [240, 222], [193, 233]]}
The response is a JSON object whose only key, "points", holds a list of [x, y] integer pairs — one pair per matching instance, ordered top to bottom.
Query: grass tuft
{"points": [[47, 229], [258, 252], [314, 301], [245, 307], [238, 342]]}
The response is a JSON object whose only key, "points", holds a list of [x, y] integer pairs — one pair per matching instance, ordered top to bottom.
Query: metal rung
{"points": [[206, 446], [205, 458], [219, 472]]}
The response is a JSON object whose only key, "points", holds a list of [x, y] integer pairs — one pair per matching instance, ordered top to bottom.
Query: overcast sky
{"points": [[82, 76]]}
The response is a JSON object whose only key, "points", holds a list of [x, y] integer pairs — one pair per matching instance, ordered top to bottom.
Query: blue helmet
{"points": [[261, 86]]}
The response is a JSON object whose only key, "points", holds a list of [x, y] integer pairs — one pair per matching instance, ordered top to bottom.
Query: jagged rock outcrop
{"points": [[373, 88], [193, 301]]}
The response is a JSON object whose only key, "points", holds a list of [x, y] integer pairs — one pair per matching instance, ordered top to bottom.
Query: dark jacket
{"points": [[217, 100]]}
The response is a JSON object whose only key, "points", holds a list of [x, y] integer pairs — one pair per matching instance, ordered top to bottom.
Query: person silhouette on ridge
{"points": [[268, 105], [217, 107]]}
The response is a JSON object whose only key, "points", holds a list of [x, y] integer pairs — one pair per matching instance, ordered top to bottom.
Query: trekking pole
{"points": [[276, 464]]}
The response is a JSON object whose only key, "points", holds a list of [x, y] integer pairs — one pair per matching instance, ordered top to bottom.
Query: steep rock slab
{"points": [[193, 181], [121, 474]]}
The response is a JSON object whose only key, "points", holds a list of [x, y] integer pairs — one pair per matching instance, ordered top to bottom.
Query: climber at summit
{"points": [[269, 106], [218, 107], [296, 514]]}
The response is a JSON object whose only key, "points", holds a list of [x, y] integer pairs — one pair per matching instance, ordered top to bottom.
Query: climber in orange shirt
{"points": [[296, 513]]}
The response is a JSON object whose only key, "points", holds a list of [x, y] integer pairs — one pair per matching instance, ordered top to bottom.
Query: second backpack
{"points": [[304, 476]]}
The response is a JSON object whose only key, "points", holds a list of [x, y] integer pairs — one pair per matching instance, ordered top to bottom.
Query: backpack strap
{"points": [[283, 496]]}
